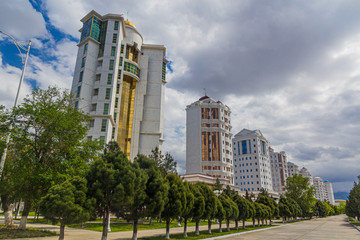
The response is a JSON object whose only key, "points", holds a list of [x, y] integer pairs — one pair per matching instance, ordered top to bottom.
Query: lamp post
{"points": [[19, 47]]}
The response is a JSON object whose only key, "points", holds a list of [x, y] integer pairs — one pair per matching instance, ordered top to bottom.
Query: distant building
{"points": [[208, 139], [251, 161], [292, 169], [279, 170], [306, 173], [324, 191]]}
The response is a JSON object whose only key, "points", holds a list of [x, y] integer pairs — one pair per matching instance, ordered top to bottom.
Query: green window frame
{"points": [[116, 25], [114, 38], [122, 48], [113, 49], [120, 61], [111, 65], [119, 74], [81, 76], [109, 78], [118, 88], [78, 91], [107, 93], [116, 102], [106, 109], [115, 116], [103, 125], [113, 133]]}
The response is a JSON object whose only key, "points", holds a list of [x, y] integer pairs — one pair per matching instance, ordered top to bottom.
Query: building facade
{"points": [[119, 81], [208, 139], [251, 161], [293, 169], [279, 170], [306, 173], [324, 190]]}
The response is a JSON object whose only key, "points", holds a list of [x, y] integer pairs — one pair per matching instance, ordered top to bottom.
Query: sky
{"points": [[288, 68]]}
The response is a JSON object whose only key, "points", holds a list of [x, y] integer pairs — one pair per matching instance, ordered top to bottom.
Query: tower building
{"points": [[119, 81], [208, 139], [251, 161], [292, 169], [279, 170], [306, 173], [324, 190]]}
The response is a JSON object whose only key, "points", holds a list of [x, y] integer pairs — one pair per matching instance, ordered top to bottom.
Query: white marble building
{"points": [[119, 81], [208, 139], [251, 161], [293, 169], [279, 170], [306, 173], [324, 190]]}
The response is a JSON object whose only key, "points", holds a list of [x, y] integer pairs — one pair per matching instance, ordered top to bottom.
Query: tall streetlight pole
{"points": [[19, 47]]}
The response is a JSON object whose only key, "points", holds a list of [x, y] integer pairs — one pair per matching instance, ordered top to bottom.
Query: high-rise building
{"points": [[119, 81], [208, 139], [251, 161], [292, 169], [279, 170], [306, 173], [324, 190]]}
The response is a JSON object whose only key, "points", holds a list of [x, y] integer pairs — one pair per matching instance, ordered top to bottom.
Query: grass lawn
{"points": [[14, 232], [204, 234]]}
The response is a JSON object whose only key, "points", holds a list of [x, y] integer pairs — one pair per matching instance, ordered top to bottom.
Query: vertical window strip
{"points": [[116, 25], [114, 39], [122, 48], [85, 49], [113, 51], [121, 60], [83, 62], [111, 65], [119, 74], [81, 76], [109, 78], [118, 88], [78, 91], [107, 94], [116, 102], [77, 105], [106, 109], [115, 116], [103, 125], [113, 133]]}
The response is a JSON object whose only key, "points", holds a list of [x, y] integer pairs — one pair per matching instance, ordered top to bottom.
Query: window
{"points": [[116, 25], [114, 39], [122, 48], [85, 49], [113, 49], [120, 61], [83, 62], [111, 65], [119, 74], [81, 76], [109, 78], [118, 88], [78, 91], [96, 91], [107, 94], [116, 102], [77, 105], [106, 109], [115, 116], [92, 123], [103, 125], [113, 133], [244, 147]]}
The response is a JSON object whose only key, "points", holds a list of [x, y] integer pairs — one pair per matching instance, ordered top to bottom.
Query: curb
{"points": [[356, 227], [257, 230]]}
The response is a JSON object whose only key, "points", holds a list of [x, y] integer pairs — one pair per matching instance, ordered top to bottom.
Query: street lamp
{"points": [[19, 47]]}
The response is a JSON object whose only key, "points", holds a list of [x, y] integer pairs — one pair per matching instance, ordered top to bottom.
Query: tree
{"points": [[4, 129], [48, 144], [166, 163], [109, 181], [218, 185], [299, 189], [265, 199], [175, 201], [67, 203], [210, 204], [199, 205], [188, 208], [230, 208], [320, 208], [352, 208], [284, 209], [244, 210], [259, 212], [220, 213]]}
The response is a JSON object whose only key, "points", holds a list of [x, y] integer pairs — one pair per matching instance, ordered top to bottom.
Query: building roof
{"points": [[129, 23], [204, 97]]}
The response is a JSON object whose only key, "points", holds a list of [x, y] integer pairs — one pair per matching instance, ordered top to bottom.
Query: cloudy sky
{"points": [[288, 68]]}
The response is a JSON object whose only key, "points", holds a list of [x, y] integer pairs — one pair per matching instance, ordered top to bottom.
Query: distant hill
{"points": [[341, 195]]}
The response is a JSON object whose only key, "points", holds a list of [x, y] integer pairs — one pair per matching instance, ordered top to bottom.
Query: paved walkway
{"points": [[335, 227]]}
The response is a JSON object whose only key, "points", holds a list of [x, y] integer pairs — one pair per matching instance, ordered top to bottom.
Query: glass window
{"points": [[116, 25], [114, 39], [122, 48], [85, 49], [113, 49], [120, 61], [83, 62], [111, 65], [119, 74], [81, 76], [109, 78], [118, 88], [78, 91], [107, 94], [116, 102], [77, 105], [106, 109], [115, 116], [103, 125], [113, 133], [244, 147]]}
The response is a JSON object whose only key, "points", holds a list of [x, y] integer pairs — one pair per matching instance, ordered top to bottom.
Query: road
{"points": [[335, 227]]}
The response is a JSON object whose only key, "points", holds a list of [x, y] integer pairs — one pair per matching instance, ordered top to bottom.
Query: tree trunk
{"points": [[7, 207], [17, 210], [25, 214], [270, 221], [243, 222], [253, 222], [258, 222], [262, 222], [266, 222], [150, 223], [105, 224], [135, 224], [236, 224], [228, 225], [209, 226], [185, 227], [220, 228], [109, 229], [167, 229], [62, 231], [197, 233]]}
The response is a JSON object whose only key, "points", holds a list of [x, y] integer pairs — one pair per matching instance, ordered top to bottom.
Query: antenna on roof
{"points": [[127, 15], [205, 91]]}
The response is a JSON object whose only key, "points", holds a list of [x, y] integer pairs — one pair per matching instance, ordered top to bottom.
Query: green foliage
{"points": [[4, 127], [166, 163], [218, 185], [265, 199], [190, 200], [210, 201], [67, 202], [199, 202], [352, 208], [320, 209], [220, 213]]}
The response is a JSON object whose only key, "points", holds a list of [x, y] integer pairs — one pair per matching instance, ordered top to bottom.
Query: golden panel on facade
{"points": [[132, 53], [205, 113], [215, 113], [126, 114], [205, 146], [215, 146]]}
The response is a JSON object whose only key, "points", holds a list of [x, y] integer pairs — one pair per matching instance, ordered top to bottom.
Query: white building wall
{"points": [[193, 141]]}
